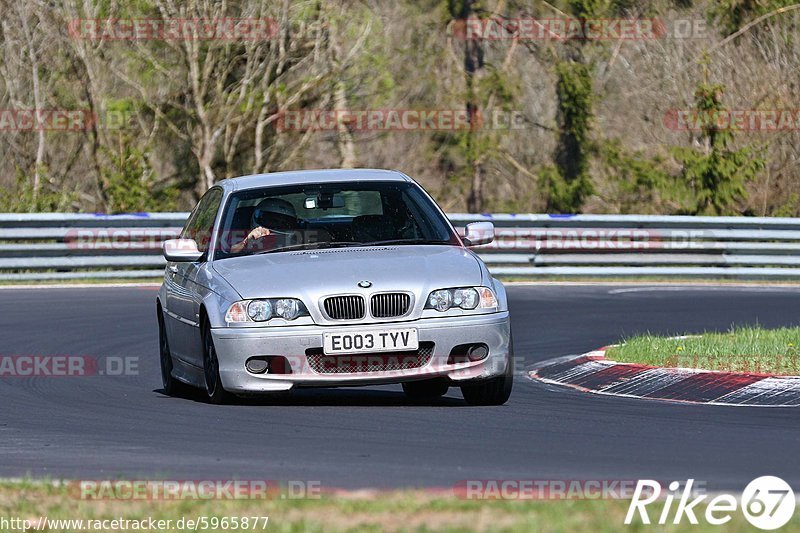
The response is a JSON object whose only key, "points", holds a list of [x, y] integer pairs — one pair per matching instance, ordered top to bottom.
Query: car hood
{"points": [[311, 274]]}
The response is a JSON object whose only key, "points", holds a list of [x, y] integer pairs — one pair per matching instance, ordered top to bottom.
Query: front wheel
{"points": [[170, 385], [429, 389], [214, 391], [494, 391]]}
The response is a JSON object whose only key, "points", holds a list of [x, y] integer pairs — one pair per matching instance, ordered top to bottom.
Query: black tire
{"points": [[170, 385], [429, 389], [494, 391], [214, 392]]}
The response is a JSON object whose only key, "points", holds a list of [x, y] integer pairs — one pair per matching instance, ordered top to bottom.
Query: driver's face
{"points": [[277, 221]]}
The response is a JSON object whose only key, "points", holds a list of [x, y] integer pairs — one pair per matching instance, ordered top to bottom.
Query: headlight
{"points": [[464, 298], [440, 300], [287, 308], [259, 310], [262, 310]]}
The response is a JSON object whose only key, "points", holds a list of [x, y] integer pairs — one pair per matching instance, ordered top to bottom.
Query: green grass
{"points": [[747, 349], [412, 510]]}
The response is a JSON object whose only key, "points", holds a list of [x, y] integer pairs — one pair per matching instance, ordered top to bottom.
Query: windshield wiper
{"points": [[406, 241], [345, 244], [311, 246]]}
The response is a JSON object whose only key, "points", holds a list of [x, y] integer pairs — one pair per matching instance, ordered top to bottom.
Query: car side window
{"points": [[201, 221]]}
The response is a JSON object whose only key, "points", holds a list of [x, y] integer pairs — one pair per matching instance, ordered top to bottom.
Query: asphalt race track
{"points": [[103, 427]]}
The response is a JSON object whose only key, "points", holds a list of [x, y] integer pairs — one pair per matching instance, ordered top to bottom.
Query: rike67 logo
{"points": [[767, 503]]}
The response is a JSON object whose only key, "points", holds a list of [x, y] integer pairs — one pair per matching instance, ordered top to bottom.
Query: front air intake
{"points": [[389, 304], [350, 307]]}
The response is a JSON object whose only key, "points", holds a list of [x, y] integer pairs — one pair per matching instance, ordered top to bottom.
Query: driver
{"points": [[272, 217]]}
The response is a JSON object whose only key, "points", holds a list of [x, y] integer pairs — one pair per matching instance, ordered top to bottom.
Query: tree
{"points": [[488, 88], [228, 91], [716, 173], [569, 183]]}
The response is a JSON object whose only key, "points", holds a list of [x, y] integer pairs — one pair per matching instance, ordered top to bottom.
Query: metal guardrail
{"points": [[53, 246]]}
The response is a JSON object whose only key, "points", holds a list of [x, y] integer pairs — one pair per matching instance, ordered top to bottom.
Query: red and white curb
{"points": [[592, 372]]}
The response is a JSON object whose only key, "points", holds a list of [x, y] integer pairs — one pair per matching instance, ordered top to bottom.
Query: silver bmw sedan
{"points": [[330, 278]]}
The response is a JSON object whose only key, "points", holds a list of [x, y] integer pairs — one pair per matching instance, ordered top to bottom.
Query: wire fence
{"points": [[57, 246]]}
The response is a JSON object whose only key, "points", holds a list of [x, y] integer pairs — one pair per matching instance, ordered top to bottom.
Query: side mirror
{"points": [[477, 233], [181, 250]]}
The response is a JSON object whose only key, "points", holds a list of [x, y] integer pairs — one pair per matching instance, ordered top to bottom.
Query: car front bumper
{"points": [[234, 346]]}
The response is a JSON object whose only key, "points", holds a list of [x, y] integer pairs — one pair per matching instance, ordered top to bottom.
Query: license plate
{"points": [[377, 340]]}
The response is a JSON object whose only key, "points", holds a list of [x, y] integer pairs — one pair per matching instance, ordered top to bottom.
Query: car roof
{"points": [[293, 177]]}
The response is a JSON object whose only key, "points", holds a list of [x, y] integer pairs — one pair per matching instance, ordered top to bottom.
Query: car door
{"points": [[183, 296]]}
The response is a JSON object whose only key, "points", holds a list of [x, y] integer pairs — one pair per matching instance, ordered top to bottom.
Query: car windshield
{"points": [[298, 217]]}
